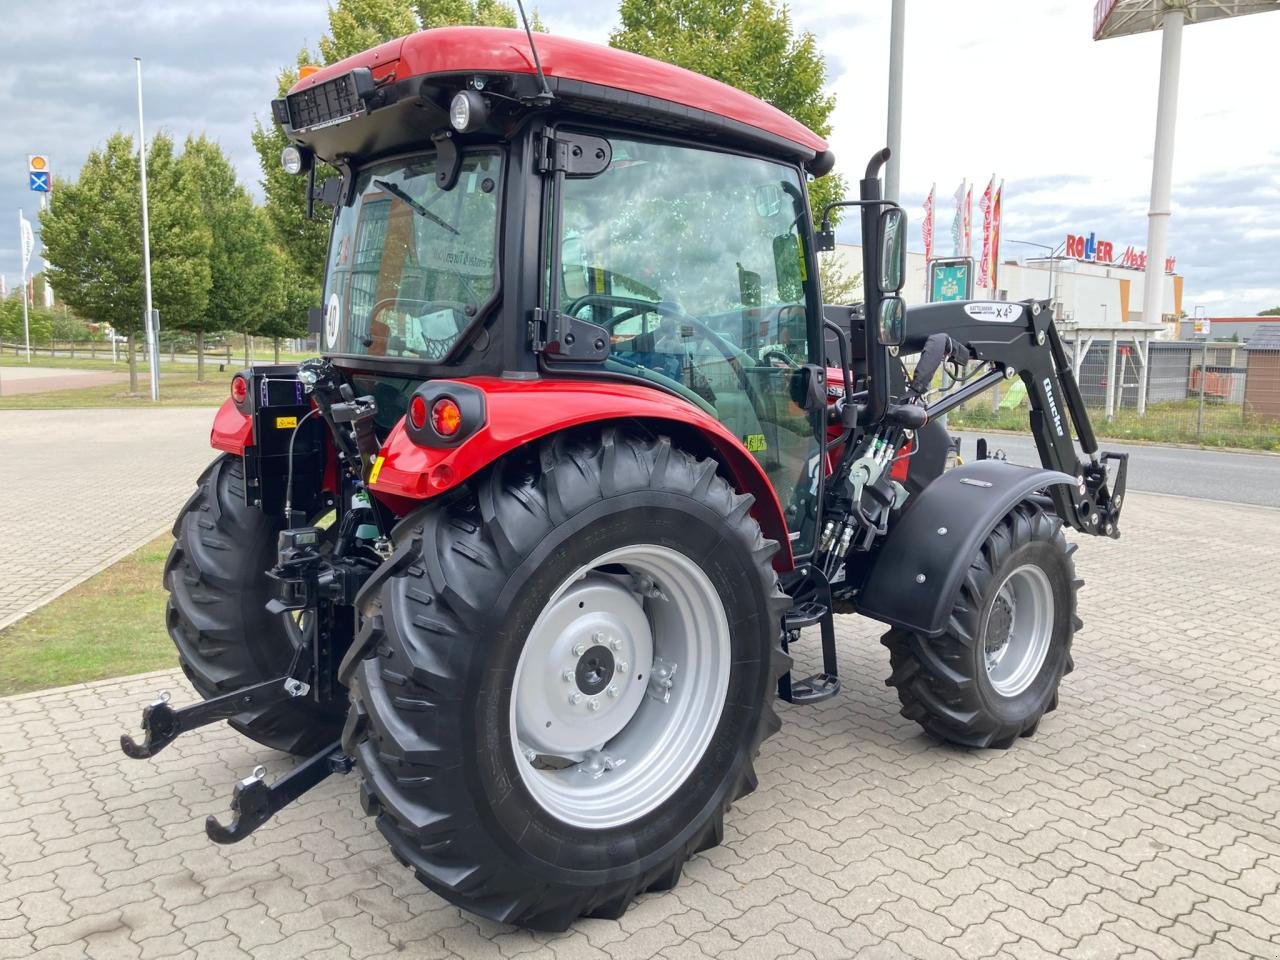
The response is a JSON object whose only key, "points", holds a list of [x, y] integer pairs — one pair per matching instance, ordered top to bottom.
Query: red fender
{"points": [[521, 411], [232, 430]]}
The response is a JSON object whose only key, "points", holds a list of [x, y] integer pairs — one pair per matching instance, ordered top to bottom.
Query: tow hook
{"points": [[162, 724], [253, 803]]}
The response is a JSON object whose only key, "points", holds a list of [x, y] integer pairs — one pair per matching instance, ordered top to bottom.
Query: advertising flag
{"points": [[985, 204], [968, 222], [957, 223], [926, 226], [995, 234], [28, 240], [4, 287], [48, 294]]}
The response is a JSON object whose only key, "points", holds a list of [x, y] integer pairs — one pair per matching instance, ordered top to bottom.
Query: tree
{"points": [[354, 25], [751, 45], [93, 240], [240, 241], [259, 269], [293, 300], [1272, 312]]}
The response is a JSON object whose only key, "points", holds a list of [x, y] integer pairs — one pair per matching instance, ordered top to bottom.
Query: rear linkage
{"points": [[311, 584]]}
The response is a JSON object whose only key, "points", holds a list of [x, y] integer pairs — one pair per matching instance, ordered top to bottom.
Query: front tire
{"points": [[995, 672], [489, 778]]}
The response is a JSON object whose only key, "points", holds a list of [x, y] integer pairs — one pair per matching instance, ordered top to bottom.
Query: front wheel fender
{"points": [[917, 574]]}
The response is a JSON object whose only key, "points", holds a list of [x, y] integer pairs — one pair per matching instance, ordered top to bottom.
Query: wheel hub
{"points": [[1018, 630], [594, 670], [620, 686], [579, 690]]}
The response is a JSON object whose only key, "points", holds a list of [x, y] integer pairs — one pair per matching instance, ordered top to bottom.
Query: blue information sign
{"points": [[39, 180]]}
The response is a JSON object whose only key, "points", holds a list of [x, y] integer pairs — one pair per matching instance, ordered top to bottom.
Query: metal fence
{"points": [[1190, 391]]}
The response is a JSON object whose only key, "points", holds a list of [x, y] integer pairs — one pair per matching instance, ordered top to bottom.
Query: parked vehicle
{"points": [[527, 548]]}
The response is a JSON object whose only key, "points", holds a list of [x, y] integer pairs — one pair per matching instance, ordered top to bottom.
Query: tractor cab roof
{"points": [[585, 78]]}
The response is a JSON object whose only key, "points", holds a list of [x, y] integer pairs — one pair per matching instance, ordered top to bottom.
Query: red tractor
{"points": [[526, 548]]}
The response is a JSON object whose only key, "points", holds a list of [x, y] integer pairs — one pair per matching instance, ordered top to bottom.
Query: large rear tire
{"points": [[217, 616], [995, 672], [512, 757]]}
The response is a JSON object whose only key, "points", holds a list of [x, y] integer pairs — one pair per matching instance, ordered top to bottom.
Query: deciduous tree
{"points": [[751, 45]]}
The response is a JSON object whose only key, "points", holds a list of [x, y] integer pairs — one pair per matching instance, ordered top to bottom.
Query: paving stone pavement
{"points": [[109, 480], [1142, 821]]}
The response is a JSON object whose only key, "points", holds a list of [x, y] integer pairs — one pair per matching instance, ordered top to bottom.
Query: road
{"points": [[1181, 471]]}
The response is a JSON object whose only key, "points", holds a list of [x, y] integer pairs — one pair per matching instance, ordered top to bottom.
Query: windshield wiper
{"points": [[418, 208]]}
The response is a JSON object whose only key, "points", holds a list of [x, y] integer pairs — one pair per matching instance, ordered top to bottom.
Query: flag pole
{"points": [[22, 242], [152, 345]]}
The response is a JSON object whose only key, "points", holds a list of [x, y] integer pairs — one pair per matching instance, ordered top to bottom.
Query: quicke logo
{"points": [[1053, 406]]}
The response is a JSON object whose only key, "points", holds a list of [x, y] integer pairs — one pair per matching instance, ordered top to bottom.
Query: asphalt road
{"points": [[1185, 472]]}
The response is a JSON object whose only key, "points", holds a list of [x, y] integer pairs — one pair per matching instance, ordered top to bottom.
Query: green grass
{"points": [[176, 390], [1169, 422], [112, 625]]}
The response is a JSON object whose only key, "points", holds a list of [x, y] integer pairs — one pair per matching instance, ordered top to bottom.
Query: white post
{"points": [[897, 32], [1162, 167], [1142, 346], [154, 361], [1111, 377]]}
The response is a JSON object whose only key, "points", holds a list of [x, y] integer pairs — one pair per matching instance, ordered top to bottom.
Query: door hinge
{"points": [[574, 154], [563, 337]]}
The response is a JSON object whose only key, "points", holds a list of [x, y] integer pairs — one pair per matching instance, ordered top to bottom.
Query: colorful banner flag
{"points": [[985, 204], [968, 222], [957, 223], [926, 226], [995, 235]]}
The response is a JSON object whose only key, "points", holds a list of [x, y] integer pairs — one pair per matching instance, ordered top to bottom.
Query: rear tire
{"points": [[217, 616], [995, 672], [435, 726]]}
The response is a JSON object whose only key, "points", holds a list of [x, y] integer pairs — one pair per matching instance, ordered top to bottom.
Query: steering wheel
{"points": [[634, 306], [433, 348]]}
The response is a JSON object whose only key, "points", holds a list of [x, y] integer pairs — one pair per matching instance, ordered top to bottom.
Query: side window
{"points": [[694, 262]]}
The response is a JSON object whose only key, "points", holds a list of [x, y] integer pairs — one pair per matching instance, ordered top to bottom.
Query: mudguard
{"points": [[520, 411], [232, 430], [922, 562]]}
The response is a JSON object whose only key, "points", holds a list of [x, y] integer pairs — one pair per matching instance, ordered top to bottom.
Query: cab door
{"points": [[697, 267]]}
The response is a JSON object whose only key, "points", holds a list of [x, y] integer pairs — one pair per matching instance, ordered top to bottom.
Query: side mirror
{"points": [[893, 250], [891, 324]]}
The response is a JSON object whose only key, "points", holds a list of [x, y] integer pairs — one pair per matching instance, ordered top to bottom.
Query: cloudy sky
{"points": [[1011, 87]]}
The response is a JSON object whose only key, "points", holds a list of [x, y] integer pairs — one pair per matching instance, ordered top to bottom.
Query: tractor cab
{"points": [[653, 230]]}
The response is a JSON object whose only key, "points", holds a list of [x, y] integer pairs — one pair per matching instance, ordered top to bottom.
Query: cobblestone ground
{"points": [[108, 480], [1142, 821]]}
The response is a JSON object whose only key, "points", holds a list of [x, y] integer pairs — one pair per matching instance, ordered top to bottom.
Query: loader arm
{"points": [[1021, 339]]}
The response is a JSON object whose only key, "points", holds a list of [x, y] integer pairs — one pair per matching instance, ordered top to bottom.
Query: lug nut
{"points": [[598, 637], [615, 644], [579, 648], [621, 666], [568, 676], [613, 690], [575, 698], [594, 704], [530, 755]]}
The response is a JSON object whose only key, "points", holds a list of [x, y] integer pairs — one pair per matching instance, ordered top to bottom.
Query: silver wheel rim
{"points": [[1018, 629], [620, 686]]}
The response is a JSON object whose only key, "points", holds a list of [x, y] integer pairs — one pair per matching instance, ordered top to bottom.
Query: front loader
{"points": [[524, 550]]}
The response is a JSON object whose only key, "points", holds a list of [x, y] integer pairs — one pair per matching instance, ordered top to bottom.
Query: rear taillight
{"points": [[239, 389], [418, 412], [445, 416]]}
